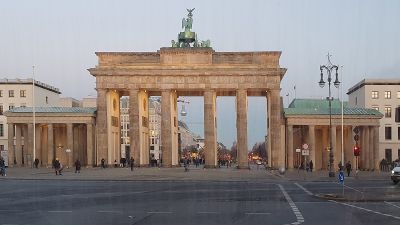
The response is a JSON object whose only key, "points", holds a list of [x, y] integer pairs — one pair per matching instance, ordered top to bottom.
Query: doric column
{"points": [[274, 104], [101, 126], [139, 126], [241, 126], [113, 127], [169, 128], [210, 129], [28, 141], [18, 144], [50, 144], [70, 144], [89, 144], [325, 144], [38, 149], [313, 149], [365, 149], [290, 150], [11, 151], [370, 157], [336, 158], [374, 163]]}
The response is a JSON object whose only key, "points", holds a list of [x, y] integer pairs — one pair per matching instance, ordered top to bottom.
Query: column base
{"points": [[210, 167], [243, 167]]}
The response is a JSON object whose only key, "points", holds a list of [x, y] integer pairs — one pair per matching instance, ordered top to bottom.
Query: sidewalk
{"points": [[142, 173], [322, 175]]}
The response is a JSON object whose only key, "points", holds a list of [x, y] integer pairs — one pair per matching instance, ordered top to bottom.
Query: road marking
{"points": [[303, 188], [392, 204], [10, 210], [368, 210], [59, 211], [108, 211], [296, 211], [159, 212], [208, 212], [258, 213]]}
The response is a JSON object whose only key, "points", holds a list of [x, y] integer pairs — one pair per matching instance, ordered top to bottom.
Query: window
{"points": [[1, 93], [11, 93], [22, 93], [388, 94], [398, 94], [374, 95], [47, 100], [356, 100], [11, 106], [376, 108], [1, 109], [388, 111], [1, 130], [388, 133], [398, 133], [1, 147], [398, 153], [388, 154]]}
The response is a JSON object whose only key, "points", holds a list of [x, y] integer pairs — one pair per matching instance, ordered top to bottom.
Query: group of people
{"points": [[122, 163], [386, 165], [347, 166], [308, 167]]}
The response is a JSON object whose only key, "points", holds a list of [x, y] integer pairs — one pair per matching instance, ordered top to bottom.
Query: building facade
{"points": [[20, 93], [384, 96]]}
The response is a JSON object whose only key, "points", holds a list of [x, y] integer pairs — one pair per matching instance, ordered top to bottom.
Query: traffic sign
{"points": [[305, 146], [298, 150], [305, 152], [341, 177]]}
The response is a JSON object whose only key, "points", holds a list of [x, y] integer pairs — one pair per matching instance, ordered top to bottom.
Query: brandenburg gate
{"points": [[188, 68]]}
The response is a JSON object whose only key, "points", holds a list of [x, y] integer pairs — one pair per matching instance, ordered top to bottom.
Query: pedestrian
{"points": [[36, 163], [103, 163], [132, 163], [115, 164], [340, 165], [77, 166], [307, 166], [311, 166], [3, 167], [57, 167], [348, 168]]}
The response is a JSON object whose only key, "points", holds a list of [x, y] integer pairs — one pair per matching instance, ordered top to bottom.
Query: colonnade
{"points": [[139, 130], [317, 138], [67, 142]]}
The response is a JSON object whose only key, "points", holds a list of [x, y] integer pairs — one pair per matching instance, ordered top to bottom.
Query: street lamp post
{"points": [[329, 67]]}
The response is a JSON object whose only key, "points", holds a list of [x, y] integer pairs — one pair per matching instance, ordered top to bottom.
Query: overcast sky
{"points": [[60, 38]]}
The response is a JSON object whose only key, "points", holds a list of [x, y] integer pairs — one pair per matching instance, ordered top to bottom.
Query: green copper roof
{"points": [[321, 107], [88, 110]]}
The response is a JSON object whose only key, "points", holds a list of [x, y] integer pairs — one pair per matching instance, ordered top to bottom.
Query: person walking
{"points": [[36, 163], [103, 163], [132, 163], [77, 166], [311, 166], [3, 167], [57, 167], [348, 168]]}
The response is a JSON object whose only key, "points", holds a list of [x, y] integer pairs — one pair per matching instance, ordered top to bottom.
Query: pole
{"points": [[341, 96], [33, 113]]}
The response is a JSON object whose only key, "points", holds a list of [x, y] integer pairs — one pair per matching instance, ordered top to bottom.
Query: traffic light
{"points": [[356, 150]]}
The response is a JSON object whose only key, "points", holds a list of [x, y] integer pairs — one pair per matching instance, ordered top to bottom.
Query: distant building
{"points": [[19, 93], [384, 96], [69, 102]]}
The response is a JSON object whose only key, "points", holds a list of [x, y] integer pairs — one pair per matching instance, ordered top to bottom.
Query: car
{"points": [[258, 162], [396, 174]]}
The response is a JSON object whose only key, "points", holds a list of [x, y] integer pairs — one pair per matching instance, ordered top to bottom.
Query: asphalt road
{"points": [[61, 202]]}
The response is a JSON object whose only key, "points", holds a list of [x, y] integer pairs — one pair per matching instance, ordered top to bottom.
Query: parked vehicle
{"points": [[396, 174]]}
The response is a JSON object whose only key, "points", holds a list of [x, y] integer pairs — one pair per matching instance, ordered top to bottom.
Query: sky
{"points": [[60, 38]]}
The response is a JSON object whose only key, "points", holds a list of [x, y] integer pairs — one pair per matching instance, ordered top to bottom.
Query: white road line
{"points": [[303, 188], [389, 203], [368, 210], [59, 211], [108, 211], [296, 211], [159, 212], [208, 212], [258, 213]]}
